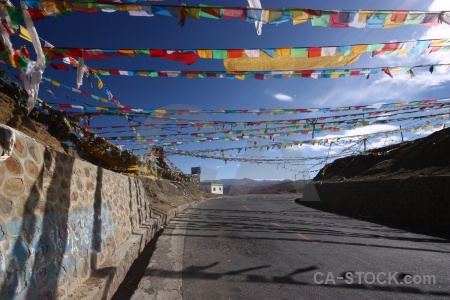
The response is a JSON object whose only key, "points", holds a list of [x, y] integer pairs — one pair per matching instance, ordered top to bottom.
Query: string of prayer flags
{"points": [[368, 19], [274, 57], [75, 64], [258, 75], [75, 90], [162, 112], [354, 122], [294, 123], [199, 124], [273, 132], [237, 136], [320, 141], [290, 143], [372, 153], [259, 160]]}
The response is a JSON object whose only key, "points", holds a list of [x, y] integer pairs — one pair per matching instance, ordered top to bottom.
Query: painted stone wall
{"points": [[421, 202], [61, 219]]}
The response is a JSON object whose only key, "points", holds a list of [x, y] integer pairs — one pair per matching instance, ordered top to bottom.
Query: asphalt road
{"points": [[268, 247]]}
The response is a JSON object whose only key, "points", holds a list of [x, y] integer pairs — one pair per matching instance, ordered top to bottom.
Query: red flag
{"points": [[185, 57], [60, 67], [386, 70]]}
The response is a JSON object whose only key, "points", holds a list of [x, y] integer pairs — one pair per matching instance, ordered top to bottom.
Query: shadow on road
{"points": [[323, 227], [224, 228], [202, 273]]}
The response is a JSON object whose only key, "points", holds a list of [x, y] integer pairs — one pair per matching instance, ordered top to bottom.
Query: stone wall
{"points": [[420, 202], [68, 229]]}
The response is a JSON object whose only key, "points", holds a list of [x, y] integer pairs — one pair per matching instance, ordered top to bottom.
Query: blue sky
{"points": [[121, 31]]}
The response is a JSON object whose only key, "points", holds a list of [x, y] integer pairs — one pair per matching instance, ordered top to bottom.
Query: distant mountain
{"points": [[244, 186], [250, 186], [283, 187]]}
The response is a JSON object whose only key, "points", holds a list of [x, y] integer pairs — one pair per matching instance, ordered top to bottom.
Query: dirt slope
{"points": [[16, 117], [165, 195]]}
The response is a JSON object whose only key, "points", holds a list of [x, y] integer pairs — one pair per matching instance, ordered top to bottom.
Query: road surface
{"points": [[268, 247]]}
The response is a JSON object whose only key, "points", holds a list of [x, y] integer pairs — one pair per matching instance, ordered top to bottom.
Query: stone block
{"points": [[19, 148], [13, 166], [2, 172], [13, 187], [6, 206]]}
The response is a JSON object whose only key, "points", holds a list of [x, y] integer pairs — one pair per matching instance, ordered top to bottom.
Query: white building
{"points": [[212, 187]]}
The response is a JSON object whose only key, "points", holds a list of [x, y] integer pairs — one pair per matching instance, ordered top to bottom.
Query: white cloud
{"points": [[438, 5], [440, 32], [423, 81], [282, 97], [363, 130], [422, 134], [308, 147], [307, 150], [318, 150]]}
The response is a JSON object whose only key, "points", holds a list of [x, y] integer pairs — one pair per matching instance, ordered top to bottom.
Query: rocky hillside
{"points": [[16, 117], [421, 157], [161, 192], [165, 195]]}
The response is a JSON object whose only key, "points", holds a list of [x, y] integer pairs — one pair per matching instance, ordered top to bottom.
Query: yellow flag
{"points": [[130, 7], [299, 16], [25, 34], [438, 43], [358, 49], [283, 51], [127, 52], [204, 53], [12, 61], [267, 63], [395, 70], [335, 74], [55, 83], [99, 84]]}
